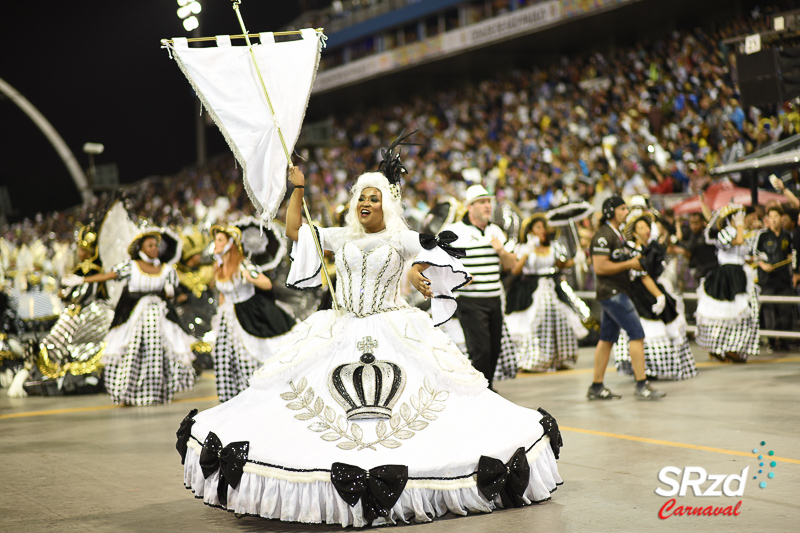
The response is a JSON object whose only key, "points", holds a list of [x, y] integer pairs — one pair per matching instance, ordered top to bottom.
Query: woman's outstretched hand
{"points": [[419, 281]]}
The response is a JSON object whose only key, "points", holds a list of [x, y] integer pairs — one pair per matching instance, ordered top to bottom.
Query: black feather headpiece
{"points": [[391, 166]]}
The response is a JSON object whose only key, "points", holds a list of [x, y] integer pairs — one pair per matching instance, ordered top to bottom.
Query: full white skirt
{"points": [[443, 421]]}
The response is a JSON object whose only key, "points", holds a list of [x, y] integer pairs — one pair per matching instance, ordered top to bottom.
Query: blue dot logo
{"points": [[772, 464]]}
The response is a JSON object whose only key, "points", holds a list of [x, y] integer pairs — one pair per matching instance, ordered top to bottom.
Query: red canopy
{"points": [[720, 194]]}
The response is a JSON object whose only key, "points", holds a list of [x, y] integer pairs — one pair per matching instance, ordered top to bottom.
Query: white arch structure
{"points": [[52, 135]]}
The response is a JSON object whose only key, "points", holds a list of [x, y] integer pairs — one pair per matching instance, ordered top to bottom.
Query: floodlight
{"points": [[191, 23], [93, 148]]}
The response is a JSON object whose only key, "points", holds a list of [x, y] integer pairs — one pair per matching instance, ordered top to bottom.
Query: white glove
{"points": [[776, 182], [738, 218], [580, 259], [72, 280], [169, 290], [658, 307]]}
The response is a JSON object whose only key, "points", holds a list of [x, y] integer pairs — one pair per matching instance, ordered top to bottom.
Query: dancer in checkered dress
{"points": [[727, 298], [248, 324], [543, 326], [667, 354], [148, 356]]}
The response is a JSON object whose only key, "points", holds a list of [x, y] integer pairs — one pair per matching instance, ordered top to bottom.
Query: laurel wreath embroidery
{"points": [[402, 425]]}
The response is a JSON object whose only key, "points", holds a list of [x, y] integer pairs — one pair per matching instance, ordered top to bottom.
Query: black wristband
{"points": [[299, 187]]}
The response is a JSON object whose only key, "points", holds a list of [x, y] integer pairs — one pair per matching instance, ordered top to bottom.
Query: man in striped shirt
{"points": [[479, 309]]}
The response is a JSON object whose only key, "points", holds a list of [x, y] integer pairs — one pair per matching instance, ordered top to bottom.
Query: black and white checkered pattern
{"points": [[738, 336], [552, 343], [663, 358], [507, 362], [232, 364], [146, 374]]}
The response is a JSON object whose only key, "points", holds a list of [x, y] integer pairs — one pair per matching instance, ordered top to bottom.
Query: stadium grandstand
{"points": [[544, 102]]}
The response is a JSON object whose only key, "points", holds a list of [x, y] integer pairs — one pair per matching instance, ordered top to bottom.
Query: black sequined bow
{"points": [[443, 240], [551, 430], [183, 434], [230, 461], [509, 480], [378, 489]]}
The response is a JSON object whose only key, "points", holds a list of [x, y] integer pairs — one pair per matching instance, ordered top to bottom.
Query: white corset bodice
{"points": [[734, 255], [541, 265], [368, 280], [139, 281], [236, 289]]}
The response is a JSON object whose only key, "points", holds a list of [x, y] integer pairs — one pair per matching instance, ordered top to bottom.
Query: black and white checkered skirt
{"points": [[729, 326], [546, 334], [148, 358], [664, 358], [507, 361], [232, 362]]}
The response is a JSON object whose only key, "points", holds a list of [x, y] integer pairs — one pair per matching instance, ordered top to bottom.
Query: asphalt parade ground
{"points": [[79, 463]]}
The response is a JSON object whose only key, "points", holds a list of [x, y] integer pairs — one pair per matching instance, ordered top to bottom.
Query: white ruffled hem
{"points": [[710, 310], [675, 331], [177, 343], [310, 497]]}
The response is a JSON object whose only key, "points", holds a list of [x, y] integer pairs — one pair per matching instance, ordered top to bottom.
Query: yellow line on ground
{"points": [[26, 414], [646, 440], [677, 444]]}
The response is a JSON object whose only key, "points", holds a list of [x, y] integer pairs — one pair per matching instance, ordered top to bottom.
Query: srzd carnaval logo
{"points": [[678, 481]]}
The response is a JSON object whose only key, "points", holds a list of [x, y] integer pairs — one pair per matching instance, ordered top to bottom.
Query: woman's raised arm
{"points": [[294, 212]]}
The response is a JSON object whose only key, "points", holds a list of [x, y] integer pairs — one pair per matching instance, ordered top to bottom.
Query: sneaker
{"points": [[646, 393], [603, 394]]}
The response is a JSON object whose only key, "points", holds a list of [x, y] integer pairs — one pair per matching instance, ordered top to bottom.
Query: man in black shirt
{"points": [[776, 261], [612, 262]]}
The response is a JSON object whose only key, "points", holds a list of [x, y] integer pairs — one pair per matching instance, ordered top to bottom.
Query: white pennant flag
{"points": [[227, 83]]}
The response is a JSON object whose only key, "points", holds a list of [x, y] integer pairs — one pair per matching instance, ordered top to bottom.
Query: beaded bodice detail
{"points": [[368, 280], [236, 289]]}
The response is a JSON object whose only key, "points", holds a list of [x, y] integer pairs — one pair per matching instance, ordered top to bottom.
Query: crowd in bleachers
{"points": [[648, 120]]}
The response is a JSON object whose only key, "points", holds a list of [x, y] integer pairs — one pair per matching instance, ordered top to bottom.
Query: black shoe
{"points": [[736, 358], [646, 393], [603, 394]]}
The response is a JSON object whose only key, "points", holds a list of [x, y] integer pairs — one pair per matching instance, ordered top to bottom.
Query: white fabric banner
{"points": [[228, 85]]}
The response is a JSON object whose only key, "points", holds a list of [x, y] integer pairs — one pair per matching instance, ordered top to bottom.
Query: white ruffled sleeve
{"points": [[306, 269], [446, 274]]}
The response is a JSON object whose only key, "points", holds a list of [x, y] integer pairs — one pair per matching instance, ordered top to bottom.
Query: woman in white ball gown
{"points": [[369, 414]]}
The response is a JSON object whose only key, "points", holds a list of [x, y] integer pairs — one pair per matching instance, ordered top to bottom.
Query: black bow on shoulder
{"points": [[443, 240], [551, 430], [183, 434], [230, 461], [509, 480], [378, 489]]}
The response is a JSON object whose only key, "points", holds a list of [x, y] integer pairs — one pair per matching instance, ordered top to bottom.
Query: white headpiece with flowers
{"points": [[388, 180]]}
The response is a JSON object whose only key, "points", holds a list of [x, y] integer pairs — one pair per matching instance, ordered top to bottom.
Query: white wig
{"points": [[392, 207]]}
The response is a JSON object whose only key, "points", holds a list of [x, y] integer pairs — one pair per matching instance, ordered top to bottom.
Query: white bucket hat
{"points": [[476, 192]]}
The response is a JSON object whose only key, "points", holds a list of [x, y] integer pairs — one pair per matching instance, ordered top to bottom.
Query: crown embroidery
{"points": [[368, 388]]}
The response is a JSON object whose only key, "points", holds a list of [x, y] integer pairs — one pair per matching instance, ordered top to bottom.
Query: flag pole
{"points": [[236, 4], [208, 39]]}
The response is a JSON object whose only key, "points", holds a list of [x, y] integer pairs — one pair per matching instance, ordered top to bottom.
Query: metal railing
{"points": [[778, 334]]}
